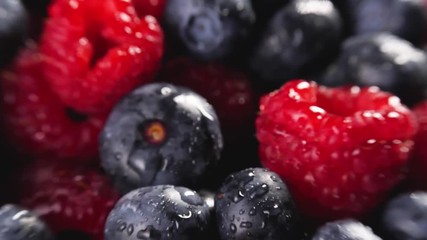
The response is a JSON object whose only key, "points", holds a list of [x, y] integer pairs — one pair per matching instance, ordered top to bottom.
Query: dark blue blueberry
{"points": [[404, 18], [13, 28], [209, 29], [301, 39], [382, 60], [160, 134], [255, 204], [159, 212], [405, 217], [17, 223], [347, 229]]}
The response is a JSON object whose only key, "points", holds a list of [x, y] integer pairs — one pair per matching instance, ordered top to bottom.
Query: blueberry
{"points": [[404, 18], [13, 28], [209, 29], [301, 39], [382, 60], [160, 134], [255, 204], [158, 212], [405, 217], [17, 223], [346, 229]]}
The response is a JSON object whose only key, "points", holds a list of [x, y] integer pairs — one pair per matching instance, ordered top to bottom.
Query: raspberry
{"points": [[154, 8], [98, 50], [227, 89], [36, 122], [340, 150], [418, 164], [68, 198]]}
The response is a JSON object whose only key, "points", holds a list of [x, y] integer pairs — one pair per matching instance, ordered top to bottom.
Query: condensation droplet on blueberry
{"points": [[233, 227]]}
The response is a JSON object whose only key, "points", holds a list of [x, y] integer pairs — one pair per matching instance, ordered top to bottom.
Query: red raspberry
{"points": [[154, 8], [98, 50], [227, 89], [35, 120], [340, 150], [418, 165], [68, 198]]}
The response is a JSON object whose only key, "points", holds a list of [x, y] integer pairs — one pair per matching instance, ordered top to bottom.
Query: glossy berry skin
{"points": [[154, 8], [403, 18], [13, 29], [209, 29], [299, 40], [106, 51], [383, 60], [229, 90], [36, 122], [156, 134], [340, 150], [68, 198], [255, 204], [160, 212], [405, 217], [17, 223], [346, 229]]}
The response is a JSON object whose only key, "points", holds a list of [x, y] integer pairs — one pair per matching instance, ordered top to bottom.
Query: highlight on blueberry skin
{"points": [[404, 18], [13, 29], [209, 29], [300, 40], [383, 60], [160, 134], [255, 204], [162, 212], [405, 217], [17, 223], [345, 229]]}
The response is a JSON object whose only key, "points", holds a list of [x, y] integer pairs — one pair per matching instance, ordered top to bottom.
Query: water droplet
{"points": [[165, 91], [118, 156], [273, 178], [260, 191], [236, 198], [242, 211], [252, 212], [185, 216], [245, 224], [122, 227], [233, 227], [130, 229], [148, 233]]}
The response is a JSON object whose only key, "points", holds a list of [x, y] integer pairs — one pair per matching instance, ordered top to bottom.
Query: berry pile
{"points": [[213, 119]]}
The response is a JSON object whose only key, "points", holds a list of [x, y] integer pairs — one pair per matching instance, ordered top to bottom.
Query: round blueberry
{"points": [[404, 18], [13, 28], [209, 29], [301, 39], [382, 60], [160, 134], [255, 204], [158, 212], [405, 217], [17, 223], [346, 229]]}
